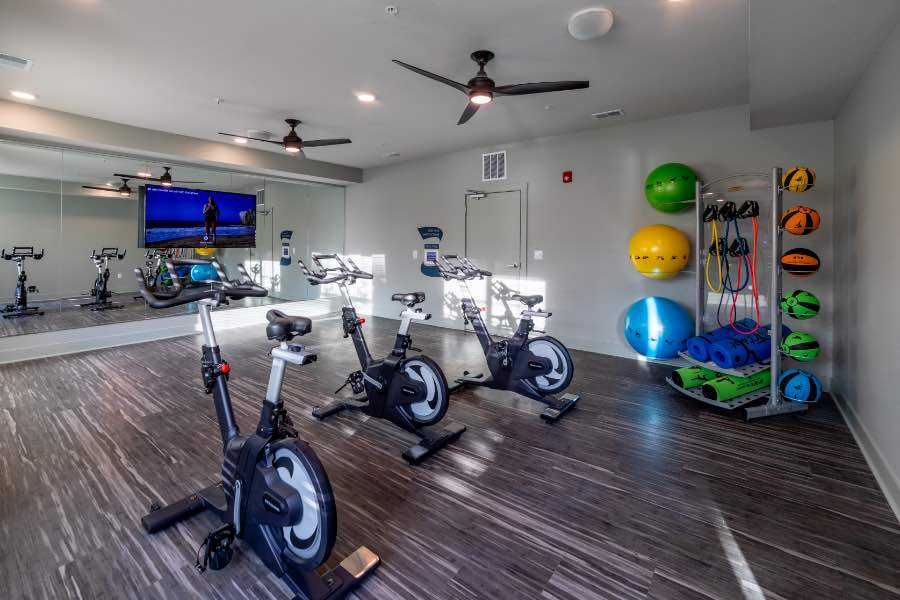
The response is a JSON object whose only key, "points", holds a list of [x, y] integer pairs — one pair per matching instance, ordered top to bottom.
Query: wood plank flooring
{"points": [[637, 494]]}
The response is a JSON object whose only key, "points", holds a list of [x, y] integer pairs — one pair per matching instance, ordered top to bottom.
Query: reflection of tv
{"points": [[187, 218]]}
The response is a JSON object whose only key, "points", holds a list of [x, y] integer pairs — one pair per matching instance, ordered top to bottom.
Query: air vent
{"points": [[15, 62], [616, 112], [493, 166]]}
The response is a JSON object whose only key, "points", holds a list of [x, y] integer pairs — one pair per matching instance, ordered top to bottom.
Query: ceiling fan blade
{"points": [[454, 84], [520, 89], [471, 109], [238, 135], [317, 143], [135, 177], [180, 181], [102, 189]]}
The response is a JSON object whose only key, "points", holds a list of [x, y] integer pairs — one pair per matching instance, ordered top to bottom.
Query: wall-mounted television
{"points": [[188, 218]]}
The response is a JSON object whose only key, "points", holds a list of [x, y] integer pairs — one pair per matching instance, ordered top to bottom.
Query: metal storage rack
{"points": [[774, 404]]}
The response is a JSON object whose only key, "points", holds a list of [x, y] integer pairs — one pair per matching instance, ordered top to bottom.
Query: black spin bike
{"points": [[411, 392], [274, 493]]}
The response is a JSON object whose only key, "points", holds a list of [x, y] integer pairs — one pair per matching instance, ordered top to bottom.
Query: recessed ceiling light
{"points": [[591, 23], [23, 95], [365, 97], [240, 140], [145, 173], [109, 184]]}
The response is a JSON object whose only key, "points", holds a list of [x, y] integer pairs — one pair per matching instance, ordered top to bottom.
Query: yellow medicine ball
{"points": [[798, 179], [205, 251], [659, 251]]}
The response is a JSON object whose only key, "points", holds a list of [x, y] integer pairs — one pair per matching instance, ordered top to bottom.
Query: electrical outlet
{"points": [[415, 254], [538, 255]]}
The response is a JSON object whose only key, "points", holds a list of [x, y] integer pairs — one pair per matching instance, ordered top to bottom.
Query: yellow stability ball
{"points": [[659, 251]]}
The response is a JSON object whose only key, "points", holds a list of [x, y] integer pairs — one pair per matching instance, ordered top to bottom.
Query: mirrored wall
{"points": [[62, 210]]}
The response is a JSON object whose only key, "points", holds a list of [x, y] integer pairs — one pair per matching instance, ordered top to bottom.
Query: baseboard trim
{"points": [[884, 475]]}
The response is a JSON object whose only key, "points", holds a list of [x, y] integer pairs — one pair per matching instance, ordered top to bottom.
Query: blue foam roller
{"points": [[698, 346], [744, 349]]}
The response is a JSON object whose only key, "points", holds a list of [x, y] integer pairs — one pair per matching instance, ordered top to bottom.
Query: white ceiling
{"points": [[806, 55], [161, 64]]}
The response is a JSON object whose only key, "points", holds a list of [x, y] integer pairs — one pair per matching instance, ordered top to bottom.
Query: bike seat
{"points": [[409, 299], [528, 301], [284, 327]]}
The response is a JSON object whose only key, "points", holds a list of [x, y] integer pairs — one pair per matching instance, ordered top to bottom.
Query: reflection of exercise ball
{"points": [[670, 187], [205, 251], [659, 251], [201, 273], [658, 327]]}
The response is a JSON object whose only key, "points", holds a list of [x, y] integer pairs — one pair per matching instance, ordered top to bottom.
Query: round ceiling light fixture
{"points": [[590, 23], [365, 97]]}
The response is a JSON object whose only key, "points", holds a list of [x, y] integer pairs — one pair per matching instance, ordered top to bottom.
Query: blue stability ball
{"points": [[658, 327]]}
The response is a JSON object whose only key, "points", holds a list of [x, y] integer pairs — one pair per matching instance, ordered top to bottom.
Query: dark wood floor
{"points": [[65, 314], [638, 494]]}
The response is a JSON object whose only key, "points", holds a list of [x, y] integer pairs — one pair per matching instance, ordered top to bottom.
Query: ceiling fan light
{"points": [[481, 97], [292, 147], [124, 192]]}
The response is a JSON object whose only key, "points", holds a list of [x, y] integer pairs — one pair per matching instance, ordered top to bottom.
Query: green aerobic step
{"points": [[691, 377], [728, 387]]}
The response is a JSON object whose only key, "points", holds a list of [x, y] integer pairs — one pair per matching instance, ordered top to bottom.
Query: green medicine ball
{"points": [[671, 187], [800, 304], [800, 346]]}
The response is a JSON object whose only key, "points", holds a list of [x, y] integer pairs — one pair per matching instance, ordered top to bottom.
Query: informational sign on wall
{"points": [[432, 237], [286, 247]]}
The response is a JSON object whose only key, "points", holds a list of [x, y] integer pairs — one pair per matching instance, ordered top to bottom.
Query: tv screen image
{"points": [[188, 218]]}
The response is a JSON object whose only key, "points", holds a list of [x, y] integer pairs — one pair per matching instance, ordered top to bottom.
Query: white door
{"points": [[494, 225]]}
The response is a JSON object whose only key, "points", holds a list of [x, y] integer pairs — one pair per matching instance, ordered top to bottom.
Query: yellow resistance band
{"points": [[715, 237]]}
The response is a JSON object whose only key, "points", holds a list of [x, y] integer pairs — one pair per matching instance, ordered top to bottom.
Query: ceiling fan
{"points": [[481, 89], [292, 142], [164, 180], [123, 189]]}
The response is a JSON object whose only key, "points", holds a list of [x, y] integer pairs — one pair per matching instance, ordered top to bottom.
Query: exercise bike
{"points": [[156, 277], [100, 291], [19, 307], [537, 368], [410, 392], [274, 493]]}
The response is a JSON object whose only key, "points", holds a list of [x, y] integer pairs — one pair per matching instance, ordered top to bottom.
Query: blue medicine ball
{"points": [[658, 327], [800, 386]]}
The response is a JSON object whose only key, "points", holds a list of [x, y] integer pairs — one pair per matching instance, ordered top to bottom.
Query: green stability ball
{"points": [[670, 187]]}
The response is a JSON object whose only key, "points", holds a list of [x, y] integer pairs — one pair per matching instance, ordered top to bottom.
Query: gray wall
{"points": [[867, 145], [315, 214], [583, 228]]}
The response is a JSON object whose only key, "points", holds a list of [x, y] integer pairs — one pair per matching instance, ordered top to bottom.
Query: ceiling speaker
{"points": [[590, 23]]}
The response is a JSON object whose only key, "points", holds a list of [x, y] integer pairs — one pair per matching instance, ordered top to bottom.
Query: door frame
{"points": [[523, 222]]}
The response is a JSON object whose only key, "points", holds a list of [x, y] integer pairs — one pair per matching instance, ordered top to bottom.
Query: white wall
{"points": [[867, 210], [583, 228]]}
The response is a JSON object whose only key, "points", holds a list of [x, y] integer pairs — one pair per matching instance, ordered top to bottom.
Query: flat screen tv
{"points": [[188, 218]]}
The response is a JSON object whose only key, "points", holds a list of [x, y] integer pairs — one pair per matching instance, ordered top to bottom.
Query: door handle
{"points": [[513, 266]]}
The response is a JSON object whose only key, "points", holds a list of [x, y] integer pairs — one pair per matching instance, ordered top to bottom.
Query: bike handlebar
{"points": [[22, 252], [461, 268], [345, 272], [176, 296]]}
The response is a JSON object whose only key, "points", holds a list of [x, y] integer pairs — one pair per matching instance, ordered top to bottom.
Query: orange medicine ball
{"points": [[800, 220], [800, 262]]}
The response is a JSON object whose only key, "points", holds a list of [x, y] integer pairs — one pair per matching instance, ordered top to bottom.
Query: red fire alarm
{"points": [[567, 176]]}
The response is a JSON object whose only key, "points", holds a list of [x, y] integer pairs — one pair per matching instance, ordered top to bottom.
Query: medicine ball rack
{"points": [[775, 404]]}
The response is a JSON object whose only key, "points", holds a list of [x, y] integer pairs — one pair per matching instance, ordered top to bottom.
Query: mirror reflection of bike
{"points": [[100, 291], [19, 306], [537, 368], [411, 392]]}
